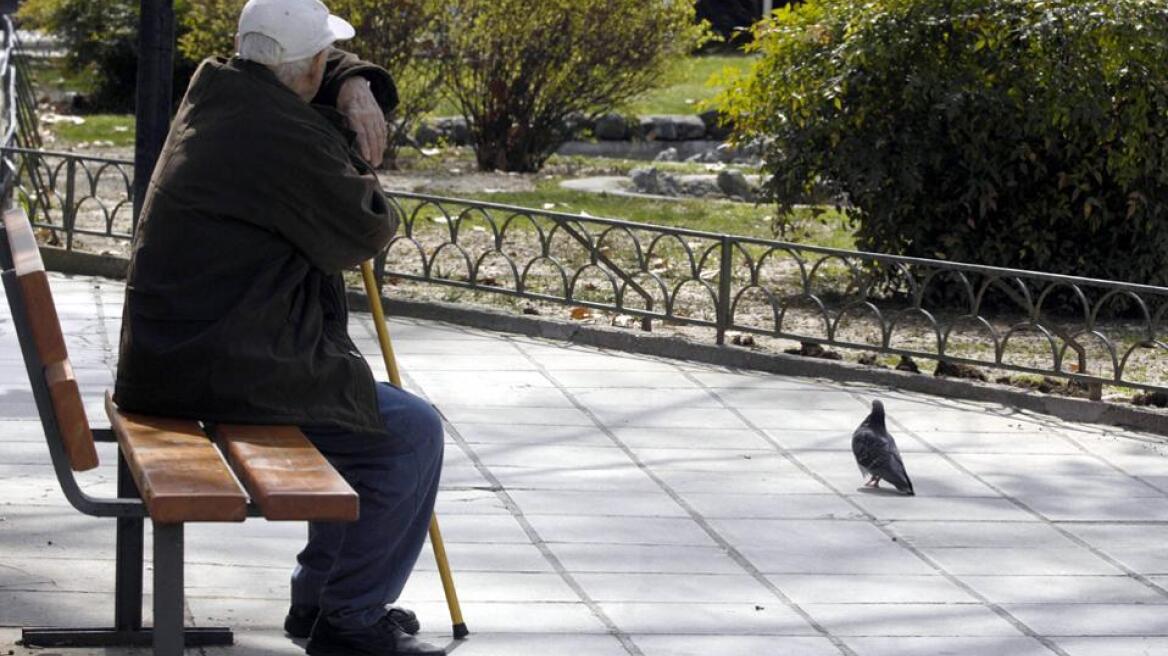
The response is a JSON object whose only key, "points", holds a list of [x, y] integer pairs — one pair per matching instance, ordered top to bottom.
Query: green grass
{"points": [[51, 74], [688, 85], [684, 88], [105, 129], [716, 216]]}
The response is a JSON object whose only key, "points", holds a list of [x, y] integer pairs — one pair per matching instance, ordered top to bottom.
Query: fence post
{"points": [[68, 212], [726, 271]]}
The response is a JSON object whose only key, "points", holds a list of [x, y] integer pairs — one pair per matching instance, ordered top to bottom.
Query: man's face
{"points": [[316, 74]]}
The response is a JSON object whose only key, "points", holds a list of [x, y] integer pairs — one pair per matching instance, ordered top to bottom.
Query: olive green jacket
{"points": [[235, 308]]}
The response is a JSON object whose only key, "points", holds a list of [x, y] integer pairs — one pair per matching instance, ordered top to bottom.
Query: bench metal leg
{"points": [[128, 572], [168, 589], [128, 630]]}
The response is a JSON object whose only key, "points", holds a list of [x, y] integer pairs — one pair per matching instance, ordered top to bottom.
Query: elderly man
{"points": [[235, 307]]}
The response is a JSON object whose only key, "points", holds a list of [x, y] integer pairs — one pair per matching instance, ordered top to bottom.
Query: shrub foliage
{"points": [[519, 69], [1019, 133]]}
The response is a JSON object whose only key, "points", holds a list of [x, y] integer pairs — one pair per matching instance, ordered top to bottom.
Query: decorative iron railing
{"points": [[1096, 332]]}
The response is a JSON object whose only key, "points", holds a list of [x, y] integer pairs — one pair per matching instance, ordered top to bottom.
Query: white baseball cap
{"points": [[301, 27]]}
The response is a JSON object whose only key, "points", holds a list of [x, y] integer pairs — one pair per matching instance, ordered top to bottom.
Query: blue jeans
{"points": [[351, 570]]}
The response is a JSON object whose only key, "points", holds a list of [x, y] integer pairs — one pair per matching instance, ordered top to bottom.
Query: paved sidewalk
{"points": [[607, 504]]}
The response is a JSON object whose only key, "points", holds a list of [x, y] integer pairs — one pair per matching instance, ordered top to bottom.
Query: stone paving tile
{"points": [[622, 378], [802, 398], [656, 399], [509, 417], [678, 417], [822, 420], [519, 434], [641, 437], [1013, 443], [556, 456], [736, 461], [783, 477], [626, 478], [1049, 485], [612, 504], [770, 506], [981, 509], [1099, 509], [662, 531], [958, 533], [1140, 547], [631, 558], [1019, 561], [687, 588], [870, 589], [1065, 589], [729, 619], [1093, 619], [911, 620], [694, 645], [948, 646], [1132, 646]]}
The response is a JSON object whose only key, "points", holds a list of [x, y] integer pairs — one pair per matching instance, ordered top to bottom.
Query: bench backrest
{"points": [[42, 343]]}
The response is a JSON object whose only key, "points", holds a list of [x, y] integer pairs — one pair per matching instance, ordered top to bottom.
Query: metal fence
{"points": [[1092, 331]]}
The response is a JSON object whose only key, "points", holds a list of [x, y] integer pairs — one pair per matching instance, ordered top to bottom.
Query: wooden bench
{"points": [[169, 470]]}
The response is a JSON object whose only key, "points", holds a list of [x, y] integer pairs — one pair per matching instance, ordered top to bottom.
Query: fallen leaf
{"points": [[581, 313]]}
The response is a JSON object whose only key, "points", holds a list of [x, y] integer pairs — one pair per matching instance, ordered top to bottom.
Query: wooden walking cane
{"points": [[457, 624]]}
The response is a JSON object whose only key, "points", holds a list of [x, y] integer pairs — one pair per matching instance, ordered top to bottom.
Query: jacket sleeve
{"points": [[341, 66], [334, 213]]}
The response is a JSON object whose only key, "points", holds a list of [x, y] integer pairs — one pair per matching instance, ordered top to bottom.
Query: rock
{"points": [[574, 124], [611, 127], [672, 127], [715, 127], [454, 128], [667, 155], [652, 181], [734, 184], [700, 187], [742, 340], [813, 350], [871, 360], [906, 364], [951, 370], [1157, 399]]}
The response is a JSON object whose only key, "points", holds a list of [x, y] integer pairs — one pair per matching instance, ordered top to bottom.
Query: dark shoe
{"points": [[298, 622], [385, 638]]}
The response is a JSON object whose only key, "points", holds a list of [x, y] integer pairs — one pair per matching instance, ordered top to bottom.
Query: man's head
{"points": [[291, 37]]}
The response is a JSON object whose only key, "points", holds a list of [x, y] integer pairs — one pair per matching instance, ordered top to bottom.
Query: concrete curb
{"points": [[1066, 408]]}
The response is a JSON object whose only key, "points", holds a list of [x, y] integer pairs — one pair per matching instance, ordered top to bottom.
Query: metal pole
{"points": [[768, 6], [154, 91]]}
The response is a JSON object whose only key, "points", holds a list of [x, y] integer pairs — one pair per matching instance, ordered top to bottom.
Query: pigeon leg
{"points": [[875, 482]]}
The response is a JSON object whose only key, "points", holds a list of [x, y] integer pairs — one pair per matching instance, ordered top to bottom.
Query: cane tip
{"points": [[460, 631]]}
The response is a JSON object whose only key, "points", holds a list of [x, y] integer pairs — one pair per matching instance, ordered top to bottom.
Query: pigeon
{"points": [[877, 455]]}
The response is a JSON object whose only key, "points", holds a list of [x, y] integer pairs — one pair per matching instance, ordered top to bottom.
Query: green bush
{"points": [[396, 35], [101, 41], [518, 70], [1019, 133]]}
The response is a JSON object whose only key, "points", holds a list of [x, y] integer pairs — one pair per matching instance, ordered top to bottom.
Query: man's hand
{"points": [[355, 100]]}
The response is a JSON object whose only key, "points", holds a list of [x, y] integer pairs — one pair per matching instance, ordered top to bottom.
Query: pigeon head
{"points": [[876, 418]]}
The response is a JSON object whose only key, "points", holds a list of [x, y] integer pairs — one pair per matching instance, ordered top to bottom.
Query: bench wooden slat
{"points": [[45, 328], [71, 420], [285, 474], [181, 475]]}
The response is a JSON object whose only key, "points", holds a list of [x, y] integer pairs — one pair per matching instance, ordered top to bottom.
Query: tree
{"points": [[518, 70], [1018, 133]]}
